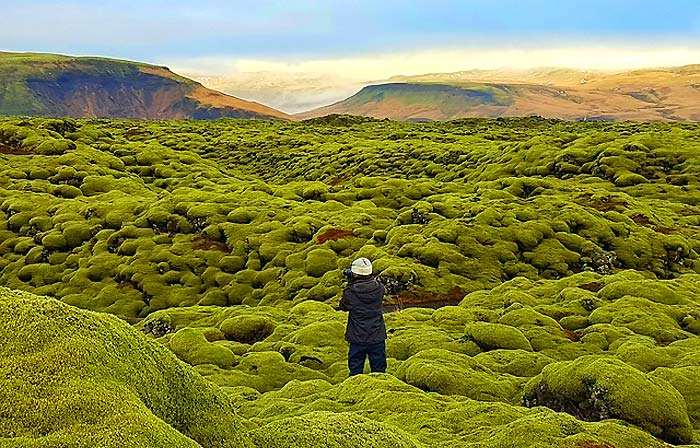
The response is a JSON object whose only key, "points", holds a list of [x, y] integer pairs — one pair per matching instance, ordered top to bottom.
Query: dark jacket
{"points": [[363, 299]]}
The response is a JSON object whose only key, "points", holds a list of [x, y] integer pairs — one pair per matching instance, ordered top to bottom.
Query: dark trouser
{"points": [[375, 352]]}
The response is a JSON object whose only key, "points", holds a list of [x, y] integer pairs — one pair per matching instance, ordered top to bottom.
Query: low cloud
{"points": [[381, 66]]}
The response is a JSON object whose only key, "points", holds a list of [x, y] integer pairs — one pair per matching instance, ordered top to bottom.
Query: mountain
{"points": [[543, 75], [57, 85], [290, 92], [668, 94]]}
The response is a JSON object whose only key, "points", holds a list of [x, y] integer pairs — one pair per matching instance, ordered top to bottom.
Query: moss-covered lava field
{"points": [[174, 283]]}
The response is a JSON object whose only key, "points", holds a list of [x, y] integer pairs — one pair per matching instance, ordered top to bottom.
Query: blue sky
{"points": [[300, 30]]}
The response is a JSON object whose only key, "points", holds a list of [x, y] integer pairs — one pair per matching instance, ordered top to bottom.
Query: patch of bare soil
{"points": [[13, 151], [605, 204], [641, 219], [646, 222], [333, 235], [202, 242], [592, 286], [423, 299], [572, 335], [594, 444]]}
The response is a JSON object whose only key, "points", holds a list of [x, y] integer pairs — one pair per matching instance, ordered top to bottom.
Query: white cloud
{"points": [[381, 66]]}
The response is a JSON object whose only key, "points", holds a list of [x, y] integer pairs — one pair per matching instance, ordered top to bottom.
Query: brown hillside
{"points": [[56, 85], [656, 94]]}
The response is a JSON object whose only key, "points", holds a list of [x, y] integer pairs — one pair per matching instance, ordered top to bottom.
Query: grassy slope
{"points": [[654, 94], [17, 98], [415, 101], [553, 244], [75, 378]]}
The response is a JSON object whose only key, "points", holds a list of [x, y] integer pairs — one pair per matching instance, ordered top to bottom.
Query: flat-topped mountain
{"points": [[57, 85], [669, 94]]}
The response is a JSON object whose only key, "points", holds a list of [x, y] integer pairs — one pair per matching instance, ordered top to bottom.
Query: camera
{"points": [[347, 274]]}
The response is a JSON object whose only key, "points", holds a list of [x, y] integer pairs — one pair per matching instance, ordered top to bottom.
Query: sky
{"points": [[361, 39]]}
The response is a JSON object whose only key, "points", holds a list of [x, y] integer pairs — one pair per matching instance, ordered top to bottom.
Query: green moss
{"points": [[54, 147], [626, 178], [67, 191], [543, 232], [76, 234], [54, 240], [320, 261], [232, 264], [649, 289], [237, 292], [214, 297], [642, 317], [574, 322], [248, 328], [320, 334], [490, 336], [192, 346], [643, 354], [514, 362], [71, 369], [263, 371], [449, 373], [684, 379], [600, 388], [301, 389], [436, 420], [331, 430]]}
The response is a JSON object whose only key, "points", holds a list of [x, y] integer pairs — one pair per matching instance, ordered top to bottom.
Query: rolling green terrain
{"points": [[56, 85], [544, 281]]}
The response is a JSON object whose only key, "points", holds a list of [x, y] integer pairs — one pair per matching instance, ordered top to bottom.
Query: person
{"points": [[366, 330]]}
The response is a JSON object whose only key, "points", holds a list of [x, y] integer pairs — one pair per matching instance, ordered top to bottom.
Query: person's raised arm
{"points": [[343, 306]]}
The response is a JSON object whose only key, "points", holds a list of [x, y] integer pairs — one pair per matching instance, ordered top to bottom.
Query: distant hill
{"points": [[56, 85], [670, 94]]}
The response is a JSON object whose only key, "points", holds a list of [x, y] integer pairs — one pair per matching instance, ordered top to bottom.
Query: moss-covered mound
{"points": [[491, 336], [486, 349], [456, 374], [75, 378], [593, 388], [312, 409], [330, 430]]}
